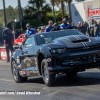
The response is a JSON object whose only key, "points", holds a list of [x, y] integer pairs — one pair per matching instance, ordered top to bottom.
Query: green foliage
{"points": [[11, 15], [36, 15], [58, 16], [44, 19], [33, 22]]}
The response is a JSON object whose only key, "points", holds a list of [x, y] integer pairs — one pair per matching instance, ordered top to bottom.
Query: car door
{"points": [[20, 38], [23, 38], [27, 53]]}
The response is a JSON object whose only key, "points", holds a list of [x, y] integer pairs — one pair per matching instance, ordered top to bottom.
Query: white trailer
{"points": [[85, 11]]}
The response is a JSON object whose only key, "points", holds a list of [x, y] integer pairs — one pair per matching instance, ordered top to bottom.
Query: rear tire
{"points": [[16, 75], [49, 79]]}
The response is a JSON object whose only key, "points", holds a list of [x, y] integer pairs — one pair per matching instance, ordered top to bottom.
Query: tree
{"points": [[52, 2], [57, 2], [69, 2], [39, 7]]}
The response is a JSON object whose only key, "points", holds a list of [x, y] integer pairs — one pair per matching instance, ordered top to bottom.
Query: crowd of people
{"points": [[50, 27], [92, 29]]}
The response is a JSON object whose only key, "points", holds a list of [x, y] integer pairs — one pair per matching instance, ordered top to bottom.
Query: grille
{"points": [[82, 48], [78, 60]]}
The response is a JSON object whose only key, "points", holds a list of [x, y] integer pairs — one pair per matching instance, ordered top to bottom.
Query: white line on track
{"points": [[7, 80]]}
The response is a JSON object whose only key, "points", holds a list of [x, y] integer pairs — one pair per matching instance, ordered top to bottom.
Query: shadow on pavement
{"points": [[81, 79]]}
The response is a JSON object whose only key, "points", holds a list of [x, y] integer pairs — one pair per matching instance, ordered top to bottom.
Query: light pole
{"points": [[4, 13], [14, 25]]}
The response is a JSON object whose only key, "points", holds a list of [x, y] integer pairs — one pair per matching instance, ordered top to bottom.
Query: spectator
{"points": [[79, 23], [64, 24], [86, 24], [73, 26], [49, 27], [55, 27], [79, 27], [85, 27], [99, 27], [82, 28], [91, 28], [42, 29], [96, 29], [29, 30], [35, 30], [38, 30], [8, 42]]}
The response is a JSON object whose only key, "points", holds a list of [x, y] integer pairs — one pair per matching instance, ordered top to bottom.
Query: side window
{"points": [[24, 36], [20, 37], [29, 42]]}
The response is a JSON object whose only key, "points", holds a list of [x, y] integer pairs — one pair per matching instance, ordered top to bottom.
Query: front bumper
{"points": [[63, 64], [61, 69]]}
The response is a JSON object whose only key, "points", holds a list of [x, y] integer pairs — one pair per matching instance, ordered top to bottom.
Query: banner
{"points": [[92, 10]]}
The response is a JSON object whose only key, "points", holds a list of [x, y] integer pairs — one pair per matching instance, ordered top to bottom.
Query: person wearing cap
{"points": [[64, 25], [73, 26], [49, 27], [55, 27], [91, 28], [42, 29], [96, 29], [29, 30], [8, 41]]}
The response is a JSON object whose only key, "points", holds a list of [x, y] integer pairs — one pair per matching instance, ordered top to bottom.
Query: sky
{"points": [[14, 3]]}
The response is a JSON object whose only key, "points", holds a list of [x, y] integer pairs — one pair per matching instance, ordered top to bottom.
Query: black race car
{"points": [[47, 54]]}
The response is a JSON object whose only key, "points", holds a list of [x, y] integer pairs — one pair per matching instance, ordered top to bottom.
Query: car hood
{"points": [[74, 41]]}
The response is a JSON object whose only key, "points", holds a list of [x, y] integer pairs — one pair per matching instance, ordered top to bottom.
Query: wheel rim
{"points": [[14, 72], [45, 73]]}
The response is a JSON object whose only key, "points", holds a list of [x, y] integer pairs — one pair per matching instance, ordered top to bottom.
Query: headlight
{"points": [[58, 50], [18, 60]]}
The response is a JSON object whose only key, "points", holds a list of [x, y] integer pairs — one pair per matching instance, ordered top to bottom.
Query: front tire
{"points": [[16, 75], [49, 79]]}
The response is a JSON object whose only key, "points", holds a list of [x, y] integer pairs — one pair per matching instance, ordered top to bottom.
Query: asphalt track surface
{"points": [[83, 86]]}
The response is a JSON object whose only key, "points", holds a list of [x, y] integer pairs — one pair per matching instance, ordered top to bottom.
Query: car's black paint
{"points": [[31, 57]]}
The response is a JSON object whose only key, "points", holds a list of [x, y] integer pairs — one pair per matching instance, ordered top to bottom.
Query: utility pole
{"points": [[21, 10], [54, 11], [4, 13], [20, 13]]}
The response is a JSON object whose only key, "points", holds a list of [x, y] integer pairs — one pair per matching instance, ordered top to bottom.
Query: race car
{"points": [[20, 39], [58, 52]]}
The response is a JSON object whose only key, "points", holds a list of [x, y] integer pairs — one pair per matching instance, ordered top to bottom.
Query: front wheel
{"points": [[16, 75], [49, 79]]}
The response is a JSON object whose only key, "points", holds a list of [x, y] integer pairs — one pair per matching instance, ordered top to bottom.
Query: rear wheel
{"points": [[16, 75], [49, 79]]}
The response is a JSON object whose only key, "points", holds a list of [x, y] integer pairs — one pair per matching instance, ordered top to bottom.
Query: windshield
{"points": [[49, 37]]}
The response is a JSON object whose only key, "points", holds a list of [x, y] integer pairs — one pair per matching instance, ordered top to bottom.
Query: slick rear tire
{"points": [[16, 75], [49, 79]]}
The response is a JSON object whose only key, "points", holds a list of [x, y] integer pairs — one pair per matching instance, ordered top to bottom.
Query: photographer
{"points": [[8, 42]]}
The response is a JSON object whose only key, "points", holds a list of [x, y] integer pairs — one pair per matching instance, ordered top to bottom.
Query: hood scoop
{"points": [[79, 41]]}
